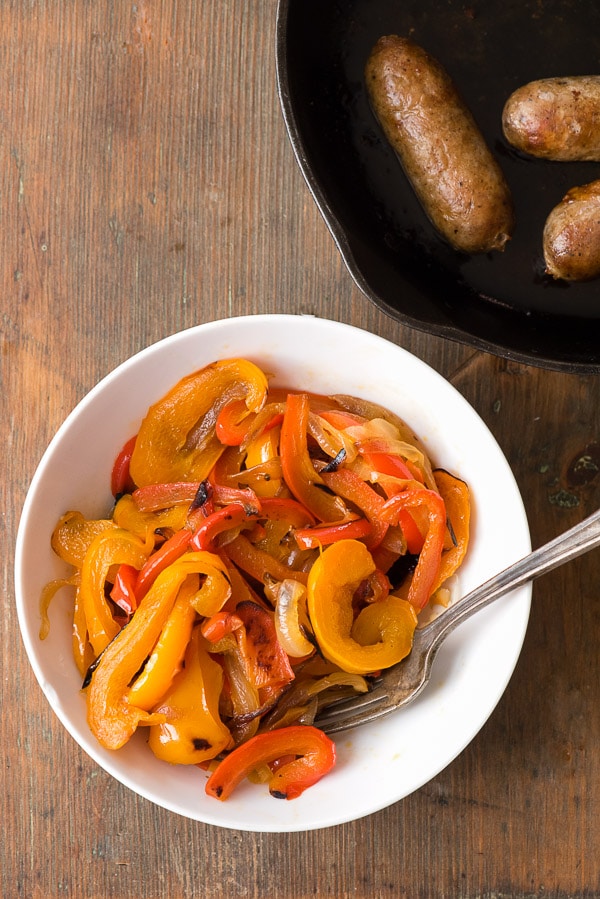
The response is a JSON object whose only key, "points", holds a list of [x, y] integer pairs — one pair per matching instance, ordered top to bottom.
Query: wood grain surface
{"points": [[146, 185]]}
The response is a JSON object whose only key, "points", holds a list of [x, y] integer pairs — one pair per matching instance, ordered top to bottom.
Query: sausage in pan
{"points": [[555, 118], [442, 151], [572, 235]]}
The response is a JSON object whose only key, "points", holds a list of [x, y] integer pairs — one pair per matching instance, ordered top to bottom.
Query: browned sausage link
{"points": [[555, 118], [442, 151], [572, 235]]}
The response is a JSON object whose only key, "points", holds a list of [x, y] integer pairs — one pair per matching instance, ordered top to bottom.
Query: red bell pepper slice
{"points": [[273, 422], [230, 426], [387, 463], [298, 471], [120, 479], [153, 497], [229, 517], [323, 535], [413, 536], [164, 556], [428, 564], [123, 590], [220, 625], [267, 664], [314, 756]]}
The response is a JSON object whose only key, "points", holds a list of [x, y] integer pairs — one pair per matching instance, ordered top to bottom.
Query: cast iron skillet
{"points": [[502, 303]]}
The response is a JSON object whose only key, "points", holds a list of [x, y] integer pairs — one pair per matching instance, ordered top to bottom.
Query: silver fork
{"points": [[400, 685]]}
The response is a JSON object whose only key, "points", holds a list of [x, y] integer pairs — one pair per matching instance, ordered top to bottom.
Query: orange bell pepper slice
{"points": [[177, 439], [298, 471], [348, 484], [456, 496], [283, 509], [109, 548], [259, 564], [426, 573], [385, 635], [166, 658], [111, 717], [192, 731], [313, 754]]}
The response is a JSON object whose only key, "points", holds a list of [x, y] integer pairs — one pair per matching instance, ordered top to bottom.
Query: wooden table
{"points": [[147, 185]]}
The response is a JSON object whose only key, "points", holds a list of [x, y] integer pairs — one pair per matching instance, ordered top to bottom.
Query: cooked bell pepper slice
{"points": [[231, 425], [177, 440], [262, 449], [388, 463], [393, 465], [298, 470], [120, 480], [348, 484], [456, 496], [153, 497], [283, 509], [126, 514], [228, 518], [325, 534], [412, 534], [110, 548], [164, 556], [259, 564], [428, 565], [332, 583], [123, 590], [392, 621], [220, 625], [83, 652], [166, 658], [267, 665], [111, 718], [192, 731], [313, 756]]}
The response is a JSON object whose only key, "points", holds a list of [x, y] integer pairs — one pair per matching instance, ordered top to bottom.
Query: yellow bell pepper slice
{"points": [[177, 439], [264, 448], [127, 515], [108, 548], [381, 635], [165, 662], [111, 717], [192, 730]]}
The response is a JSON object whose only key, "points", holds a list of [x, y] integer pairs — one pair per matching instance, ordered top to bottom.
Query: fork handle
{"points": [[574, 542]]}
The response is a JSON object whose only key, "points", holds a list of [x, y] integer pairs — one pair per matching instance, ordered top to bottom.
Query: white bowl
{"points": [[378, 764]]}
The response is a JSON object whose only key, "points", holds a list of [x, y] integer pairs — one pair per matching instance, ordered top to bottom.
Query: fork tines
{"points": [[352, 711]]}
